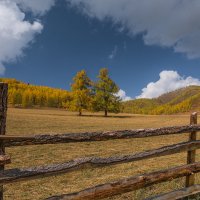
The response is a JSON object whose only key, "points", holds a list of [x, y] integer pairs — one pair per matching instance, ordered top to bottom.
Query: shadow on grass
{"points": [[74, 114], [109, 116]]}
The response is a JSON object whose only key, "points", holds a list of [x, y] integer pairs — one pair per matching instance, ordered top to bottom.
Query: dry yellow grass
{"points": [[33, 121]]}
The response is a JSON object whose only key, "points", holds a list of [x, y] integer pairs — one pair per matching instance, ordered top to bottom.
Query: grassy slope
{"points": [[179, 95], [182, 100], [32, 121]]}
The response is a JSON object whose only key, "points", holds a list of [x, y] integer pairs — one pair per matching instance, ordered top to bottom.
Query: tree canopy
{"points": [[81, 92], [105, 98]]}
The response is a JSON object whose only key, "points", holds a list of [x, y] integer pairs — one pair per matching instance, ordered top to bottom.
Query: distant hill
{"points": [[22, 94], [179, 101]]}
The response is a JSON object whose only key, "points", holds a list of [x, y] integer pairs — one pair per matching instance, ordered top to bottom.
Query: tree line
{"points": [[85, 94], [25, 95], [99, 95]]}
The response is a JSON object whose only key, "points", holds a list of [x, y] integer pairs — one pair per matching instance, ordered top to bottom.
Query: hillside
{"points": [[22, 94], [25, 95], [178, 101]]}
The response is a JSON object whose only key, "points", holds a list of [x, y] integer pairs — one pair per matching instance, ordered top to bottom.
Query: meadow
{"points": [[41, 121]]}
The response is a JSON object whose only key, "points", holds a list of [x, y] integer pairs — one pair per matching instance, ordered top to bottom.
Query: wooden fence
{"points": [[112, 188]]}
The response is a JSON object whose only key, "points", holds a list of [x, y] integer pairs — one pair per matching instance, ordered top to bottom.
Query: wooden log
{"points": [[3, 114], [95, 136], [4, 159], [14, 175], [190, 180], [130, 184], [178, 194]]}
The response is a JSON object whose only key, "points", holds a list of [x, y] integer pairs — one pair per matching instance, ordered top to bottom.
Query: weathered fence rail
{"points": [[11, 140], [14, 175], [130, 184], [112, 188]]}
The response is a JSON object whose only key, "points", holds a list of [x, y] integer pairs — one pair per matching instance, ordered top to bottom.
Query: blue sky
{"points": [[58, 38]]}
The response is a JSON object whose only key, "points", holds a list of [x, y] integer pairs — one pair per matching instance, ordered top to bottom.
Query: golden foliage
{"points": [[25, 95], [179, 101]]}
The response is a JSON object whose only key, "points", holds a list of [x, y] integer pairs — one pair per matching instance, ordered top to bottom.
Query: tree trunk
{"points": [[106, 113]]}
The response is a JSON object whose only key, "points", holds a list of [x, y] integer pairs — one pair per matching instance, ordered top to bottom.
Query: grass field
{"points": [[33, 121]]}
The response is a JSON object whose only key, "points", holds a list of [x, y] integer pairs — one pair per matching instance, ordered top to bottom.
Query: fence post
{"points": [[3, 113], [190, 180]]}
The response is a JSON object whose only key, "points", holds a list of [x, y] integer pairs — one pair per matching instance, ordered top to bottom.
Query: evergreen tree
{"points": [[105, 90], [81, 91]]}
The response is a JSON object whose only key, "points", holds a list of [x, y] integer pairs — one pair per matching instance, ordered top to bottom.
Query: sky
{"points": [[150, 47]]}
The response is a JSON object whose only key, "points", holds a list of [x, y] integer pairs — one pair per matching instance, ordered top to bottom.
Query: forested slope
{"points": [[22, 94], [178, 101]]}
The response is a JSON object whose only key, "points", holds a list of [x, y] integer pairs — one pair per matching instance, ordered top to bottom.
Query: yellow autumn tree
{"points": [[81, 92], [105, 98]]}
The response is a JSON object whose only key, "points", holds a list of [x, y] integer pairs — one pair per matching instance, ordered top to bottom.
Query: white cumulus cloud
{"points": [[171, 23], [16, 33], [169, 81], [123, 96]]}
